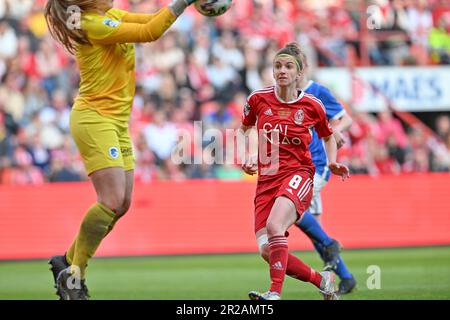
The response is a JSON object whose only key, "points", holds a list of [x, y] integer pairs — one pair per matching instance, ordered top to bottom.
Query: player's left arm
{"points": [[132, 17], [140, 18], [143, 18], [113, 31], [340, 120], [340, 126], [324, 130], [335, 167]]}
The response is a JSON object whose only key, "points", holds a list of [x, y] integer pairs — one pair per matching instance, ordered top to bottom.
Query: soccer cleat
{"points": [[331, 255], [58, 264], [347, 285], [327, 286], [70, 289], [269, 295]]}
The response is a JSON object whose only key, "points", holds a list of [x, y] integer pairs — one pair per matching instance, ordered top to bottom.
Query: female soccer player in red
{"points": [[101, 38], [284, 120]]}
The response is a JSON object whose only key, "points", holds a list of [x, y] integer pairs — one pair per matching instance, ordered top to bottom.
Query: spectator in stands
{"points": [[19, 9], [420, 22], [439, 39], [395, 40], [8, 41], [49, 65], [12, 96], [443, 126], [392, 134], [160, 136], [6, 145], [41, 155], [419, 155], [440, 160], [384, 163], [146, 168], [62, 171], [23, 172]]}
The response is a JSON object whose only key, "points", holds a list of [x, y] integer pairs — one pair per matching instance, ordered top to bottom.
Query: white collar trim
{"points": [[302, 93]]}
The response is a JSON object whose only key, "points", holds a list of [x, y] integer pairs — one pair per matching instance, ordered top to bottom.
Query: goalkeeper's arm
{"points": [[127, 32]]}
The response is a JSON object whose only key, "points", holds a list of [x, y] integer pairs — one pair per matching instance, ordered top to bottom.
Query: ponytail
{"points": [[63, 19]]}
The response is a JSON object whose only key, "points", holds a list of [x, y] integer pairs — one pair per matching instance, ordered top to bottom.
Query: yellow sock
{"points": [[113, 223], [93, 229], [70, 253]]}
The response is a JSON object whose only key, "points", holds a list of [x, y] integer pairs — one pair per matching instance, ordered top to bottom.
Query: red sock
{"points": [[278, 257], [296, 268]]}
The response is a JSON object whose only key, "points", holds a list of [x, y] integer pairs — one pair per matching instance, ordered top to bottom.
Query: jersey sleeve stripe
{"points": [[265, 90], [318, 101], [339, 114]]}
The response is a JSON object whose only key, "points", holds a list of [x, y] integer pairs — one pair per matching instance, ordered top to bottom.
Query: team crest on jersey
{"points": [[110, 23], [246, 109], [299, 116], [114, 152]]}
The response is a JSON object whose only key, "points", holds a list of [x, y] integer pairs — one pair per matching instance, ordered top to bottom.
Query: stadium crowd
{"points": [[202, 70]]}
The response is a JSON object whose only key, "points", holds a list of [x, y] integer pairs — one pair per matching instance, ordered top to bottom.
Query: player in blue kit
{"points": [[327, 247]]}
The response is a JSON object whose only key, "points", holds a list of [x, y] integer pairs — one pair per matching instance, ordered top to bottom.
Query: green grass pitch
{"points": [[406, 273]]}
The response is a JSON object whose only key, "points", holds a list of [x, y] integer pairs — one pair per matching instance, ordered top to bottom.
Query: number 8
{"points": [[295, 181]]}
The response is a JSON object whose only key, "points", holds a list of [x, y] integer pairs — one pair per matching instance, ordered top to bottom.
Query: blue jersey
{"points": [[334, 110]]}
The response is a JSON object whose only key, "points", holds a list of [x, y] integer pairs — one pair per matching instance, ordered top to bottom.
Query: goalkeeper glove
{"points": [[178, 6]]}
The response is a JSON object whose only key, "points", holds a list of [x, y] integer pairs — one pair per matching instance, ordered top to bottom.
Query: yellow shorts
{"points": [[103, 142]]}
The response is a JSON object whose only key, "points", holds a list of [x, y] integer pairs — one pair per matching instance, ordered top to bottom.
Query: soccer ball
{"points": [[212, 8]]}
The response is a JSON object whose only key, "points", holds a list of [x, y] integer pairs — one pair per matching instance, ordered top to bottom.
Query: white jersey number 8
{"points": [[295, 181]]}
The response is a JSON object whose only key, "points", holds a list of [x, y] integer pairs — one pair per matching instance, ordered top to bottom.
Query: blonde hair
{"points": [[58, 16]]}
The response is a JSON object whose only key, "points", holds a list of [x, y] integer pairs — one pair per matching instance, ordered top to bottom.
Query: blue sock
{"points": [[309, 225], [319, 248], [342, 270]]}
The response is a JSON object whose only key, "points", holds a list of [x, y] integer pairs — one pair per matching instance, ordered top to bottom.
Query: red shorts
{"points": [[298, 187]]}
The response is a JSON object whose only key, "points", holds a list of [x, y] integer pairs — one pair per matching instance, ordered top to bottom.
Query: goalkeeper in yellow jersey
{"points": [[101, 38]]}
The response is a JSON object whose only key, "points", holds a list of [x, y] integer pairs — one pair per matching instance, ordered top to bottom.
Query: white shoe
{"points": [[327, 286], [269, 295]]}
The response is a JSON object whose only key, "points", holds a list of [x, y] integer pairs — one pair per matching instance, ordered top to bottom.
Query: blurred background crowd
{"points": [[203, 69]]}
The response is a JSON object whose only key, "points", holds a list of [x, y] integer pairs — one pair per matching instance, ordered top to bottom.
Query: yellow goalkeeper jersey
{"points": [[107, 75]]}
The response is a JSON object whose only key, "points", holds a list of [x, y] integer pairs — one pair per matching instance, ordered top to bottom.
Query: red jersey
{"points": [[285, 131]]}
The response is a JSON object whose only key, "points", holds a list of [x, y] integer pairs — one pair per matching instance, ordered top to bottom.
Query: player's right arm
{"points": [[248, 150]]}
